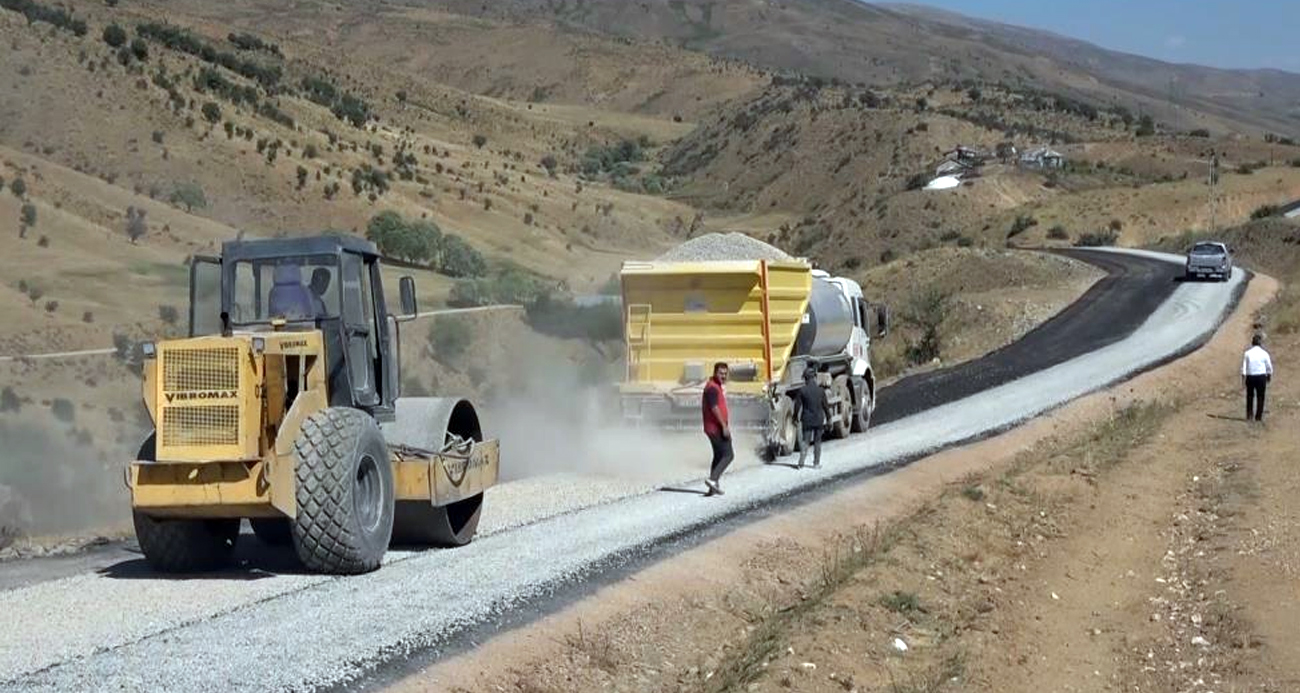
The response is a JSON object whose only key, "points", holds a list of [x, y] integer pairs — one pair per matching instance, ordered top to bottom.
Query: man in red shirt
{"points": [[717, 428]]}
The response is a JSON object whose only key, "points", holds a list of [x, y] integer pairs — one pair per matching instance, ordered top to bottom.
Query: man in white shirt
{"points": [[1256, 371]]}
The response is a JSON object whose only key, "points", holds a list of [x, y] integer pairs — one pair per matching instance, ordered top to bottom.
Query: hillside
{"points": [[899, 44]]}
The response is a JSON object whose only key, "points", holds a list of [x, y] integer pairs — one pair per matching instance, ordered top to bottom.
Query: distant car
{"points": [[1209, 259]]}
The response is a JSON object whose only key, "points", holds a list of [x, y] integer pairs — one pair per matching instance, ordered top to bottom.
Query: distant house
{"points": [[968, 155], [1042, 157]]}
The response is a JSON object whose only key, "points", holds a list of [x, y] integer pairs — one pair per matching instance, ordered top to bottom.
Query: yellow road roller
{"points": [[282, 408]]}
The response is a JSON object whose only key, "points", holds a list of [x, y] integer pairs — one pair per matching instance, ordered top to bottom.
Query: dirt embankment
{"points": [[1142, 537]]}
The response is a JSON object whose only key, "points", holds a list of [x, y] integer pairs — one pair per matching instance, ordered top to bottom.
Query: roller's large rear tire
{"points": [[345, 493], [453, 525], [186, 546]]}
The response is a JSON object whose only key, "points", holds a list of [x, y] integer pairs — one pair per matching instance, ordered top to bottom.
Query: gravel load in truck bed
{"points": [[714, 247]]}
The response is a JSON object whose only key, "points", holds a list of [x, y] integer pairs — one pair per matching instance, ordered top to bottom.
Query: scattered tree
{"points": [[114, 35], [140, 49], [211, 112], [1146, 126], [157, 136], [480, 141], [549, 163], [302, 177], [18, 188], [190, 195], [28, 214], [136, 227], [927, 311], [168, 314], [9, 400], [63, 410]]}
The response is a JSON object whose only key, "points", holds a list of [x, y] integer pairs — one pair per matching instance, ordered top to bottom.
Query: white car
{"points": [[1209, 259]]}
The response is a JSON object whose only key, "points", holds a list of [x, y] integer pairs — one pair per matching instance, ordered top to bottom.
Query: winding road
{"points": [[102, 621]]}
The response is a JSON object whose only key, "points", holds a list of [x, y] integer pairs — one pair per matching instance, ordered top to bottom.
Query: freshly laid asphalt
{"points": [[1109, 311]]}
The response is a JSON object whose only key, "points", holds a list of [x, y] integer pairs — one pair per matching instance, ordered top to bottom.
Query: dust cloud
{"points": [[560, 416], [52, 485]]}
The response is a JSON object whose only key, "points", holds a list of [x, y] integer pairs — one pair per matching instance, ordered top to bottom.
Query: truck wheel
{"points": [[862, 413], [841, 424], [783, 433], [345, 492], [453, 525], [273, 531], [186, 546]]}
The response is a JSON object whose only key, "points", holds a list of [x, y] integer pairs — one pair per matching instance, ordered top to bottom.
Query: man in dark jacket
{"points": [[814, 412]]}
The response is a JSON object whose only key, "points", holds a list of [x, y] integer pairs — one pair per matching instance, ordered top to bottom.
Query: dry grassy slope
{"points": [[858, 42], [508, 59], [110, 136], [1151, 212], [102, 282]]}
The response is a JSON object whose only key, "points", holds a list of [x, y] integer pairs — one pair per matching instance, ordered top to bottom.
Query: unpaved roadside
{"points": [[996, 565]]}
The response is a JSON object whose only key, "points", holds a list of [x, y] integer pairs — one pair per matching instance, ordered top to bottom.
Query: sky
{"points": [[1247, 33]]}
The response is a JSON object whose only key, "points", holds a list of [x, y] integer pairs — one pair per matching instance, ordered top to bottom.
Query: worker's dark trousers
{"points": [[1255, 387], [811, 436], [722, 456]]}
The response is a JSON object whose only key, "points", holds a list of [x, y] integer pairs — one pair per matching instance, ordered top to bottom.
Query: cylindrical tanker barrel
{"points": [[828, 323]]}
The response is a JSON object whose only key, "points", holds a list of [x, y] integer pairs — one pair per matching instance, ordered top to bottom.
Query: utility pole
{"points": [[1214, 184]]}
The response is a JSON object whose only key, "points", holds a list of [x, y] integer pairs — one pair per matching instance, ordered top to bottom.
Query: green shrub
{"points": [[36, 12], [114, 35], [183, 40], [140, 49], [211, 112], [1146, 126], [480, 140], [18, 188], [189, 194], [1266, 211], [28, 214], [1022, 223], [1096, 239], [460, 259], [926, 311], [561, 317], [450, 337], [9, 400], [63, 410], [901, 602]]}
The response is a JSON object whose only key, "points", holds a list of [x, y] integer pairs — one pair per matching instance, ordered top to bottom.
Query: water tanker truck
{"points": [[768, 321]]}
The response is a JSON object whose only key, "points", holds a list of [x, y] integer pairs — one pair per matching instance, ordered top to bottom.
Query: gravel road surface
{"points": [[266, 627]]}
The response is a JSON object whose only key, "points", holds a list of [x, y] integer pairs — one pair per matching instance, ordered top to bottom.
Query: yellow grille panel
{"points": [[198, 370], [210, 425]]}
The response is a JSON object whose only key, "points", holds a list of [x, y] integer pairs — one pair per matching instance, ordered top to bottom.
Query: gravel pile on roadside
{"points": [[714, 247]]}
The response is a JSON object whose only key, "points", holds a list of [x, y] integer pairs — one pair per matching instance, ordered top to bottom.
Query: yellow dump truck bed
{"points": [[682, 317]]}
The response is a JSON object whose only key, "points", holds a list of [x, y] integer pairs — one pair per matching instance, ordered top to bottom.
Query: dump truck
{"points": [[768, 320], [282, 407]]}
